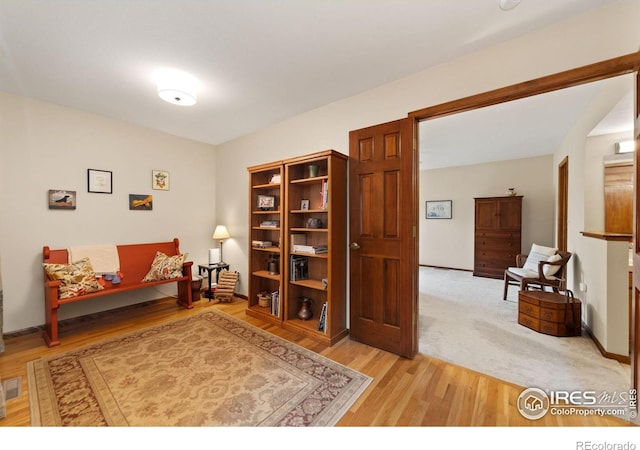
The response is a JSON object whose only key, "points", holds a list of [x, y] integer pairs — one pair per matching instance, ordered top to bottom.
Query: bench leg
{"points": [[185, 296], [50, 333]]}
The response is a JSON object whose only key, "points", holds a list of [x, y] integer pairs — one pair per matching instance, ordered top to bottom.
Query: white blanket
{"points": [[104, 258]]}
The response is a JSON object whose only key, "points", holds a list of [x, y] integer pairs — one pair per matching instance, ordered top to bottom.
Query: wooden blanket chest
{"points": [[550, 313]]}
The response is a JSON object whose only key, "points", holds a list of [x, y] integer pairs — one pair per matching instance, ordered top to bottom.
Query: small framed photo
{"points": [[160, 180], [100, 181], [59, 199], [138, 202], [266, 202], [304, 205], [438, 209]]}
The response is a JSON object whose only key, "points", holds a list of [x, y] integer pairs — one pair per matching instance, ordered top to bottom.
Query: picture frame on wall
{"points": [[160, 180], [100, 181], [62, 199], [140, 202], [438, 209]]}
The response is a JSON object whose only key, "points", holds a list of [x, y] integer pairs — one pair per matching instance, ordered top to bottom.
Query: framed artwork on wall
{"points": [[160, 180], [100, 181], [62, 199], [139, 202], [438, 209]]}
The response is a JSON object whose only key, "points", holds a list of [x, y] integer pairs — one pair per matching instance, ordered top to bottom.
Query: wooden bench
{"points": [[135, 263]]}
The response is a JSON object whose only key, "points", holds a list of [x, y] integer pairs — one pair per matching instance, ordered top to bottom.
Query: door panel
{"points": [[383, 255]]}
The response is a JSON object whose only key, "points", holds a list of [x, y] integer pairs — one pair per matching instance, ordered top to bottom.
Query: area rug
{"points": [[209, 369]]}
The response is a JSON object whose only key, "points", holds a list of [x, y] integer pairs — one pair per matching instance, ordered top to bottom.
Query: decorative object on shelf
{"points": [[313, 170], [275, 179], [160, 180], [100, 181], [511, 192], [62, 199], [140, 202], [266, 202], [304, 204], [438, 209], [314, 222], [221, 234], [273, 264], [264, 299], [305, 312]]}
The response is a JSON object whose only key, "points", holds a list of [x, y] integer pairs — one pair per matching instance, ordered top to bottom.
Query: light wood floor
{"points": [[405, 392]]}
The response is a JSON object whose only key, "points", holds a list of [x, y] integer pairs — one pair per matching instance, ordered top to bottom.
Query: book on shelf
{"points": [[324, 195], [270, 224], [261, 244], [313, 249], [299, 268], [275, 303], [322, 320]]}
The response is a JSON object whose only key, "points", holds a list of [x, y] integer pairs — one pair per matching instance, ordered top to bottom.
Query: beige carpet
{"points": [[464, 320], [209, 369]]}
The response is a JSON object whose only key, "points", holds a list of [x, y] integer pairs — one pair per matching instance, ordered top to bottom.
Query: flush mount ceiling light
{"points": [[507, 5], [176, 87]]}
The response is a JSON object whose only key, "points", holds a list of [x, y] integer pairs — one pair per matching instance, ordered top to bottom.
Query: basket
{"points": [[264, 300]]}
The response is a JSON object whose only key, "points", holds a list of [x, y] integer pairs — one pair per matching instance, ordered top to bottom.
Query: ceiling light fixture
{"points": [[507, 5], [176, 87]]}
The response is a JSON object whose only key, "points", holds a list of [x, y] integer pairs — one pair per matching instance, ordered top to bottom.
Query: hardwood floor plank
{"points": [[404, 392]]}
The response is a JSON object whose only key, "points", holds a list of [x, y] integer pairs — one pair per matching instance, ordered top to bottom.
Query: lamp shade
{"points": [[221, 232]]}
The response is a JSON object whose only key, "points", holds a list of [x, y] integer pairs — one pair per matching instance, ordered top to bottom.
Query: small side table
{"points": [[210, 268]]}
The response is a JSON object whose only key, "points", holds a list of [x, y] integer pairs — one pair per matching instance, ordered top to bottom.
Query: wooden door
{"points": [[563, 204], [383, 237], [635, 306]]}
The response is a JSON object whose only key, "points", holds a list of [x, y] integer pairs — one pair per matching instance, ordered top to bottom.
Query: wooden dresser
{"points": [[498, 236], [549, 313]]}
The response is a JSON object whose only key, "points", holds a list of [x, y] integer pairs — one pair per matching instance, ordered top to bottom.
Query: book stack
{"points": [[270, 224], [261, 244], [312, 249], [299, 268], [275, 303], [322, 320]]}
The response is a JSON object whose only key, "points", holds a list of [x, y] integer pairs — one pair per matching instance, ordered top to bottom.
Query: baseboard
{"points": [[445, 268], [620, 358]]}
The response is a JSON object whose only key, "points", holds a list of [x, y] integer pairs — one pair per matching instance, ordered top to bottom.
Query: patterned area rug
{"points": [[209, 369]]}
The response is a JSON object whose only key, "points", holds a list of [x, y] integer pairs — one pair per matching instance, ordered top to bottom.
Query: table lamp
{"points": [[221, 233]]}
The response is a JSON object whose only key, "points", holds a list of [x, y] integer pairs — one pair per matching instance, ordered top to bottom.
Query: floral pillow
{"points": [[165, 267], [77, 278]]}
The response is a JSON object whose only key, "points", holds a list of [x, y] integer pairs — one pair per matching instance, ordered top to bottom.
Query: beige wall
{"points": [[601, 34], [44, 146], [449, 243]]}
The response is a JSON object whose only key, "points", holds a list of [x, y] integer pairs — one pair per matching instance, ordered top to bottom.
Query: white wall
{"points": [[601, 34], [44, 146], [450, 243]]}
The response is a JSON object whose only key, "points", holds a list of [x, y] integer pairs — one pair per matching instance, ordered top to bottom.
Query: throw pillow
{"points": [[538, 253], [165, 267], [550, 270], [76, 279]]}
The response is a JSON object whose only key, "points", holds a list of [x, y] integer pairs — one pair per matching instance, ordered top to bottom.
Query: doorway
{"points": [[596, 72]]}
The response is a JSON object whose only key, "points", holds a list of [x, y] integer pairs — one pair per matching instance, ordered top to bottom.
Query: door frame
{"points": [[602, 70], [562, 218]]}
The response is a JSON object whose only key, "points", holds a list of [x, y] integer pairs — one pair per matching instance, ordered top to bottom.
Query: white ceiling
{"points": [[256, 61]]}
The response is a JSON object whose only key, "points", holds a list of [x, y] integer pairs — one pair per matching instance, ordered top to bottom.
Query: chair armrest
{"points": [[521, 259]]}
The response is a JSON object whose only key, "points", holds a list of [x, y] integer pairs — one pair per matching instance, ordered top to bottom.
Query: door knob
{"points": [[354, 246]]}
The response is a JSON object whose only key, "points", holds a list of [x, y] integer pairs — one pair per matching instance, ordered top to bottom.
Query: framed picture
{"points": [[160, 180], [100, 181], [59, 199], [139, 202], [266, 202], [304, 204], [438, 209]]}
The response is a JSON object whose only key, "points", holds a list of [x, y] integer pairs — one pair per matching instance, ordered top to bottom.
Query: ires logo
{"points": [[534, 403]]}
